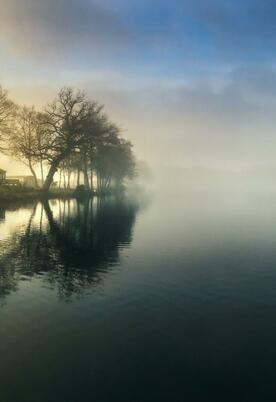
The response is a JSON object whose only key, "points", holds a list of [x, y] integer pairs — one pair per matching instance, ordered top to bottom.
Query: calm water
{"points": [[110, 300]]}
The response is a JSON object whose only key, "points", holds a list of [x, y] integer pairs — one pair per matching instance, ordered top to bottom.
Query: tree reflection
{"points": [[2, 214], [71, 245]]}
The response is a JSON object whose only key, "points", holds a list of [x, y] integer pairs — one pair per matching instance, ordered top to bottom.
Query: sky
{"points": [[190, 82]]}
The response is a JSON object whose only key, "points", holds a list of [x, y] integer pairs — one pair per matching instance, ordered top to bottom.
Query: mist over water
{"points": [[166, 292], [114, 300]]}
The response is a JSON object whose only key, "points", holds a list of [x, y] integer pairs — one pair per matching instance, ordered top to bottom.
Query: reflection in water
{"points": [[2, 214], [68, 243], [188, 315]]}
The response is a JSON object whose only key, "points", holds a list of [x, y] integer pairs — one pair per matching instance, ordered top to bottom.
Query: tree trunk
{"points": [[42, 172], [33, 173], [51, 173], [60, 173], [85, 174], [78, 178], [64, 179], [69, 180], [91, 182], [99, 182], [108, 182]]}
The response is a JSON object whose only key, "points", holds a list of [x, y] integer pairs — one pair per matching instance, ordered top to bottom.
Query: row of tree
{"points": [[72, 136]]}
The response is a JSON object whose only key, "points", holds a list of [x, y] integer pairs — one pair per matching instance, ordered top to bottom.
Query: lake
{"points": [[172, 298]]}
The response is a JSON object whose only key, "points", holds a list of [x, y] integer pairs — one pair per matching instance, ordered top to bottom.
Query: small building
{"points": [[2, 176], [26, 181]]}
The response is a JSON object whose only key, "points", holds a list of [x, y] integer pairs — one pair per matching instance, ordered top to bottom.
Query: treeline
{"points": [[72, 136]]}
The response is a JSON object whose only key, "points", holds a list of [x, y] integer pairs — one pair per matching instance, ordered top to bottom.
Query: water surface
{"points": [[110, 300]]}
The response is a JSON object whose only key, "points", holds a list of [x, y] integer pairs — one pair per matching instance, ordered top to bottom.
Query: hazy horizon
{"points": [[190, 83], [150, 287]]}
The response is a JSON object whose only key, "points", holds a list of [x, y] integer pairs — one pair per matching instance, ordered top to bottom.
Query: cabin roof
{"points": [[20, 177]]}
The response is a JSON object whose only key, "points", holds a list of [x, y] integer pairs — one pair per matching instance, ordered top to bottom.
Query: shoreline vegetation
{"points": [[70, 147], [20, 193], [17, 194]]}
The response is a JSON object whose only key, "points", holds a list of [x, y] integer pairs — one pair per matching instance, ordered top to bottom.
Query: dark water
{"points": [[110, 300]]}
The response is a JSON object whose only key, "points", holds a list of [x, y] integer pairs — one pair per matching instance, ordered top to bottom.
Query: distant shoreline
{"points": [[22, 194]]}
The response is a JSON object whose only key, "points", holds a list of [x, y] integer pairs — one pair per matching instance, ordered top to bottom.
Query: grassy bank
{"points": [[9, 194], [13, 194]]}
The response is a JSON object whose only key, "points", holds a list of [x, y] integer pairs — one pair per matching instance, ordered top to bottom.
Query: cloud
{"points": [[58, 27], [239, 30], [153, 31], [194, 77], [258, 82], [195, 123], [198, 123]]}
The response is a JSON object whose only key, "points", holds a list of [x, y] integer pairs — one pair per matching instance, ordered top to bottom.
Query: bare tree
{"points": [[7, 111], [66, 119], [72, 135], [23, 139]]}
